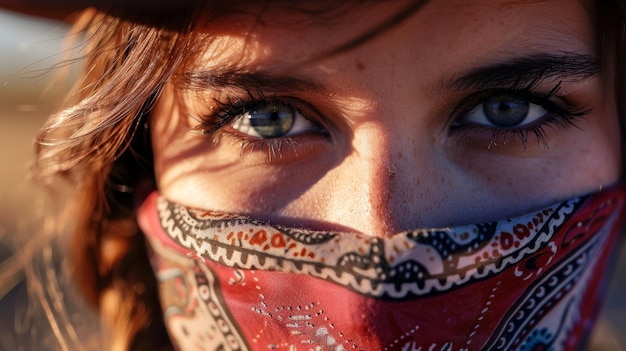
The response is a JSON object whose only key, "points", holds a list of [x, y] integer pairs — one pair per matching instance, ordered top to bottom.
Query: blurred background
{"points": [[30, 48], [32, 51]]}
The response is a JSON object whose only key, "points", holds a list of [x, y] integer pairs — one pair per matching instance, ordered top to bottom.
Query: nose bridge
{"points": [[363, 184]]}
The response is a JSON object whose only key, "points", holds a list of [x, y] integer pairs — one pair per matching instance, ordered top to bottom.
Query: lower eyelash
{"points": [[522, 134], [500, 136], [275, 147]]}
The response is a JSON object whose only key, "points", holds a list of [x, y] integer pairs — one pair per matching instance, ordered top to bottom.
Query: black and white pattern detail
{"points": [[406, 265]]}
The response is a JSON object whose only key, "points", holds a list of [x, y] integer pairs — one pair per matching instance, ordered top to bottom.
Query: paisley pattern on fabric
{"points": [[529, 283]]}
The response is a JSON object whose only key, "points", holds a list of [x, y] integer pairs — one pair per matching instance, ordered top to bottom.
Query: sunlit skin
{"points": [[393, 149]]}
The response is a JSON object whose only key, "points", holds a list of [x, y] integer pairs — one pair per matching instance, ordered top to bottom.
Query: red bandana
{"points": [[528, 283]]}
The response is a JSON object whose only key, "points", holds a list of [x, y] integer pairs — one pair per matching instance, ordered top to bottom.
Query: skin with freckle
{"points": [[398, 105]]}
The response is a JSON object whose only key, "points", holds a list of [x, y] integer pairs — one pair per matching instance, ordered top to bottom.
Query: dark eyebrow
{"points": [[563, 66], [245, 80]]}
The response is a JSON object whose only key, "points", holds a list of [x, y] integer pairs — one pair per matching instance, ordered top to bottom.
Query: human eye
{"points": [[505, 110], [511, 114], [273, 120], [263, 123]]}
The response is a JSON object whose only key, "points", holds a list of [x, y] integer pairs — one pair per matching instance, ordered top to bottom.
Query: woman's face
{"points": [[467, 111]]}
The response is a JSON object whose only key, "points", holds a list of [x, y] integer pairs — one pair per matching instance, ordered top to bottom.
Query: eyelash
{"points": [[230, 110], [560, 115]]}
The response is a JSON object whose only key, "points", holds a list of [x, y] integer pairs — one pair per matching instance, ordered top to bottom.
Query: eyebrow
{"points": [[566, 66], [518, 72], [246, 79]]}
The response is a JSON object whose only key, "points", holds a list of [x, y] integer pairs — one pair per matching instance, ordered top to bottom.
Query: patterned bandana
{"points": [[528, 283]]}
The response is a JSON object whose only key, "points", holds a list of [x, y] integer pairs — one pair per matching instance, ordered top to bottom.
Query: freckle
{"points": [[360, 65]]}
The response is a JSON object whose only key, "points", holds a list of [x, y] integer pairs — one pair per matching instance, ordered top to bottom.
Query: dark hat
{"points": [[42, 8], [63, 9]]}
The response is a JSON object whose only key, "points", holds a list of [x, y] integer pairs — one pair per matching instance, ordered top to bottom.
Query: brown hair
{"points": [[89, 144], [100, 145]]}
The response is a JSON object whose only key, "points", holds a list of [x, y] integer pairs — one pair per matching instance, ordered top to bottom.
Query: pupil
{"points": [[506, 110], [272, 121]]}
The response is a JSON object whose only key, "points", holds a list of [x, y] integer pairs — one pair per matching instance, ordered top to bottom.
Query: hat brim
{"points": [[63, 9], [58, 10]]}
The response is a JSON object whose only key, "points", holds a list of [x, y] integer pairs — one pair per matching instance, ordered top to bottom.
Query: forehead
{"points": [[247, 15], [473, 31]]}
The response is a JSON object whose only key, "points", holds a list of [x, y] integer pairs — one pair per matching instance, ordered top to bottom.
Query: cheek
{"points": [[594, 150], [574, 161]]}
